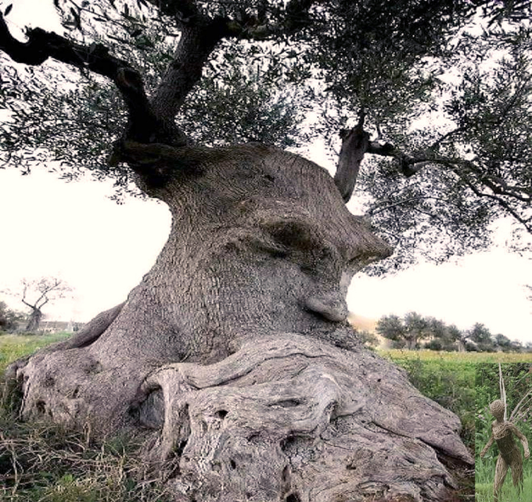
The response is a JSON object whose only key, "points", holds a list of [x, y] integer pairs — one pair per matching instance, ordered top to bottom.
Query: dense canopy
{"points": [[442, 88]]}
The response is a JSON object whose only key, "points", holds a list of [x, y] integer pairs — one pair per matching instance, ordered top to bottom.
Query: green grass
{"points": [[13, 347], [472, 357], [517, 379], [485, 471]]}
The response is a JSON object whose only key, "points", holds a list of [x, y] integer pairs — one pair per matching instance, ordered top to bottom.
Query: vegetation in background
{"points": [[35, 294], [9, 318], [414, 331]]}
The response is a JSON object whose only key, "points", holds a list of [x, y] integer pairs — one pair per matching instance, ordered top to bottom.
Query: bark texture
{"points": [[235, 349]]}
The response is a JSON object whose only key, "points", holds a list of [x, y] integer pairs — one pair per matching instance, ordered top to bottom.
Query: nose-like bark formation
{"points": [[332, 307]]}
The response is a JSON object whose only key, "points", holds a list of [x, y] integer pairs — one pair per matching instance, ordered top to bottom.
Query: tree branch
{"points": [[255, 28], [198, 40], [42, 45], [355, 144], [409, 165]]}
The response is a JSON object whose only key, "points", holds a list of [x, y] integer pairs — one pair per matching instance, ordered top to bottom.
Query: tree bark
{"points": [[34, 320], [235, 349]]}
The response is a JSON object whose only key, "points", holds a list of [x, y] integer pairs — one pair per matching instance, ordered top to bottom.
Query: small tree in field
{"points": [[37, 293], [406, 332], [233, 357]]}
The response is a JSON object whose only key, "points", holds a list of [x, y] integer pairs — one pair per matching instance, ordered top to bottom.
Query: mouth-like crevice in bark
{"points": [[150, 412], [293, 497]]}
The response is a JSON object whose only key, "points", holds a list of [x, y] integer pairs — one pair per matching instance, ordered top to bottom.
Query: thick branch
{"points": [[196, 44], [42, 45], [355, 144], [409, 165]]}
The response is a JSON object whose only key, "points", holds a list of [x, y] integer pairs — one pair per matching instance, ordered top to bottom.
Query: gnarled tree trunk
{"points": [[235, 350]]}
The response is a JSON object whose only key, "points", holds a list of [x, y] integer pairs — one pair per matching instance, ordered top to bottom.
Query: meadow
{"points": [[42, 462]]}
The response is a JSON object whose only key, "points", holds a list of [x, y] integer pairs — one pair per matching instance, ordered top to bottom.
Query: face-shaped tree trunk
{"points": [[236, 352]]}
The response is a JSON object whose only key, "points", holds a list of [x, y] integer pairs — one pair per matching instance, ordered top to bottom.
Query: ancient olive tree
{"points": [[233, 355]]}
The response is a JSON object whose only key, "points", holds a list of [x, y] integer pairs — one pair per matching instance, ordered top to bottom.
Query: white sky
{"points": [[72, 230]]}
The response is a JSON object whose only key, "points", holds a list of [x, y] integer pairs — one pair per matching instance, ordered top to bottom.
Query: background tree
{"points": [[37, 293], [9, 318], [406, 332], [368, 338], [479, 338], [234, 351]]}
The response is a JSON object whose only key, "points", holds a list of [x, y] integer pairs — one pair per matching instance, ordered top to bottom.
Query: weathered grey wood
{"points": [[355, 143], [235, 351]]}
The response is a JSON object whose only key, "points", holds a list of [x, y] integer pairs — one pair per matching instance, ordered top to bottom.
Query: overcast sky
{"points": [[72, 230]]}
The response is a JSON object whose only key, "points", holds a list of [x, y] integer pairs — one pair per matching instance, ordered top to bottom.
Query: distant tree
{"points": [[37, 293], [8, 317], [392, 328], [417, 328], [412, 329], [406, 332], [454, 336], [368, 338], [479, 338], [503, 343], [516, 346]]}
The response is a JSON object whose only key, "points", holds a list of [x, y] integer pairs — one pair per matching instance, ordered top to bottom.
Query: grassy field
{"points": [[13, 347], [459, 357], [518, 381], [40, 462]]}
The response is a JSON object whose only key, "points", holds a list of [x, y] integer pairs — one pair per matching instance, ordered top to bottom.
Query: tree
{"points": [[433, 192], [36, 293], [8, 318], [392, 327], [406, 332], [444, 337], [368, 338], [479, 338], [234, 349]]}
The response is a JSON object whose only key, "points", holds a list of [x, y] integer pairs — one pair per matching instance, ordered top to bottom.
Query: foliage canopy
{"points": [[442, 87]]}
